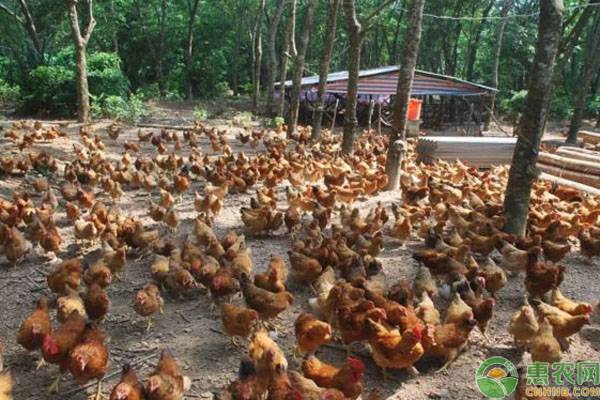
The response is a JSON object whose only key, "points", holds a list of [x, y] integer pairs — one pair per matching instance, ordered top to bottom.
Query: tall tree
{"points": [[506, 6], [192, 9], [332, 11], [26, 20], [356, 35], [81, 40], [474, 42], [289, 43], [257, 55], [299, 60], [272, 61], [591, 64], [406, 75], [530, 129]]}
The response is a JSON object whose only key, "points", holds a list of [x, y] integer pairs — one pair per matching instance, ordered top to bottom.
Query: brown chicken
{"points": [[15, 246], [590, 246], [555, 251], [304, 268], [98, 274], [65, 276], [541, 277], [273, 279], [147, 302], [97, 303], [267, 304], [65, 305], [568, 305], [352, 317], [238, 321], [564, 324], [523, 325], [35, 327], [310, 333], [449, 339], [60, 342], [544, 346], [391, 349], [90, 358], [268, 358], [347, 379], [167, 381], [6, 384], [247, 386], [129, 387], [308, 389]]}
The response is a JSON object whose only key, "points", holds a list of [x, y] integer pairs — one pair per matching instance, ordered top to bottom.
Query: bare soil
{"points": [[193, 332]]}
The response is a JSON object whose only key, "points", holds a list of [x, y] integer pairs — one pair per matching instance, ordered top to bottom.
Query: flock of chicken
{"points": [[455, 209]]}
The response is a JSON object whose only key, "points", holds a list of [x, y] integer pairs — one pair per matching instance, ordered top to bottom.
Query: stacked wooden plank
{"points": [[590, 137], [481, 152], [572, 163]]}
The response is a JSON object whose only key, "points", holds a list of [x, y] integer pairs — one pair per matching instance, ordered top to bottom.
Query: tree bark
{"points": [[506, 6], [332, 11], [28, 24], [356, 34], [356, 37], [81, 40], [474, 44], [289, 45], [189, 48], [257, 55], [299, 61], [273, 62], [591, 63], [405, 81], [530, 130]]}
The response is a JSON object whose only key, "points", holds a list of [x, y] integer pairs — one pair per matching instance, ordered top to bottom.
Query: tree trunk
{"points": [[506, 6], [332, 11], [31, 29], [356, 36], [81, 40], [474, 44], [289, 45], [189, 48], [257, 52], [299, 61], [272, 62], [591, 63], [160, 75], [405, 81], [531, 125]]}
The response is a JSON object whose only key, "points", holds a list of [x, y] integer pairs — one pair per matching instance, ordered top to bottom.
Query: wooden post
{"points": [[337, 102], [371, 105], [379, 119]]}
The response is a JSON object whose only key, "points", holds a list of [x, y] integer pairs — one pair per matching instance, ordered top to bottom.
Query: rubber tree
{"points": [[506, 6], [192, 10], [25, 19], [330, 29], [356, 35], [81, 40], [287, 50], [257, 55], [299, 59], [273, 61], [591, 64], [406, 76], [523, 171]]}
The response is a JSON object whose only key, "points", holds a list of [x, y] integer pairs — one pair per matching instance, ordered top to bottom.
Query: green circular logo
{"points": [[497, 377]]}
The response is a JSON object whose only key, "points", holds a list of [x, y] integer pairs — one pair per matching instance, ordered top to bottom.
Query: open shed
{"points": [[446, 100]]}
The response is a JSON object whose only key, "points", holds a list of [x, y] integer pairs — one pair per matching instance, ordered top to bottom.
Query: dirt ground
{"points": [[193, 332]]}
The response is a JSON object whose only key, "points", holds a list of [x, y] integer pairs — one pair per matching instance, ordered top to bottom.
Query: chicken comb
{"points": [[356, 364]]}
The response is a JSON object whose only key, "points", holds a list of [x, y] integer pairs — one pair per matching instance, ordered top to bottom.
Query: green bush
{"points": [[51, 89], [9, 94], [514, 103], [561, 106], [119, 108], [200, 113]]}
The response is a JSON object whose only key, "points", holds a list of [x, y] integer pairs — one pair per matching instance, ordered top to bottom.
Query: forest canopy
{"points": [[206, 48]]}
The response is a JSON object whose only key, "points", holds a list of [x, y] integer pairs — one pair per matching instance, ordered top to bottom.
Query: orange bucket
{"points": [[414, 109]]}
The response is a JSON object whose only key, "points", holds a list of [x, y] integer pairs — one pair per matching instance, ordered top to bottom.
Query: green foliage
{"points": [[51, 90], [9, 94], [514, 103], [561, 106], [119, 108], [200, 113], [242, 118], [276, 122]]}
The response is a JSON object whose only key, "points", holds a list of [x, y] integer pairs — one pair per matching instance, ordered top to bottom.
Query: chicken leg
{"points": [[41, 363], [53, 388], [99, 395]]}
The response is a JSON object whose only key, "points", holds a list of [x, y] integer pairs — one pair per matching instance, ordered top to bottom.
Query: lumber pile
{"points": [[590, 137], [481, 152], [574, 164]]}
